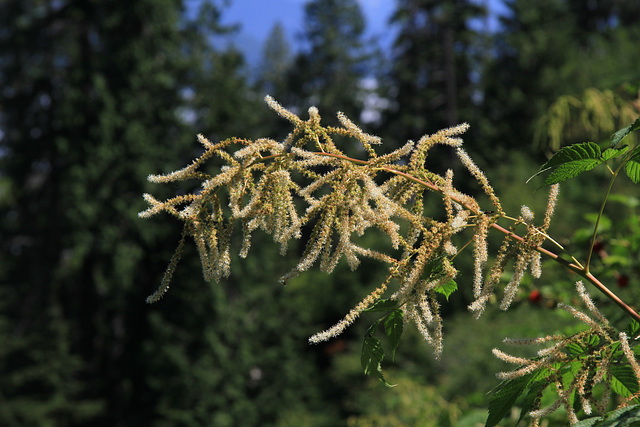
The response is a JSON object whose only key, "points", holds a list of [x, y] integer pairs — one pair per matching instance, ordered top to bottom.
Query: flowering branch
{"points": [[307, 181], [572, 266]]}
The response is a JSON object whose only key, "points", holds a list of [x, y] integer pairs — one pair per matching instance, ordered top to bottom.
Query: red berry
{"points": [[598, 246], [623, 280], [535, 296]]}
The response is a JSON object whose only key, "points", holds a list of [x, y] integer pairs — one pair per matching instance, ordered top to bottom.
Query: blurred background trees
{"points": [[335, 59], [431, 69], [96, 95]]}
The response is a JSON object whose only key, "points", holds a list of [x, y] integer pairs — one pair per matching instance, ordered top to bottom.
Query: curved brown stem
{"points": [[569, 265], [578, 269]]}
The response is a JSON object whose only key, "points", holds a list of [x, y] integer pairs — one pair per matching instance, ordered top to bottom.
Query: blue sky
{"points": [[257, 18]]}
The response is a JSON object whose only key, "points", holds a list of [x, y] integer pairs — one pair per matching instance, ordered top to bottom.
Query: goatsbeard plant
{"points": [[307, 181]]}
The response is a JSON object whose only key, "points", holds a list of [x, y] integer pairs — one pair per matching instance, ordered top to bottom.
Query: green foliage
{"points": [[434, 53], [545, 57], [335, 59], [93, 94], [97, 94], [88, 102], [591, 115], [621, 134], [572, 160], [447, 289], [393, 327], [372, 350], [372, 355], [585, 357], [577, 366], [574, 368], [505, 396], [413, 402], [628, 416]]}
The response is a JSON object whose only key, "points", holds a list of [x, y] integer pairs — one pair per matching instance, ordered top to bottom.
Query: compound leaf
{"points": [[573, 153], [610, 153], [571, 161], [632, 329], [535, 389], [629, 416]]}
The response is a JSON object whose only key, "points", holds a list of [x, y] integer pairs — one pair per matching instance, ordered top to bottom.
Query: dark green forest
{"points": [[96, 95]]}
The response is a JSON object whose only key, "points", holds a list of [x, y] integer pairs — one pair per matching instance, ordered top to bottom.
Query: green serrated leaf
{"points": [[622, 133], [571, 153], [610, 153], [572, 161], [632, 168], [434, 267], [447, 289], [382, 305], [393, 328], [372, 329], [632, 329], [593, 340], [573, 349], [616, 349], [372, 354], [371, 358], [569, 372], [624, 382], [533, 392], [501, 402], [623, 417], [588, 422]]}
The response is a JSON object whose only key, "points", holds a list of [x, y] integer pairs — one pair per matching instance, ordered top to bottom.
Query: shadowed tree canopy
{"points": [[557, 48], [433, 53], [328, 73], [92, 100]]}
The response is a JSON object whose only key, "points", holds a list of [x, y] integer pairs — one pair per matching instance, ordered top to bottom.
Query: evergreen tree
{"points": [[593, 18], [550, 49], [531, 57], [275, 64], [329, 72], [272, 78], [430, 81], [90, 97], [220, 103]]}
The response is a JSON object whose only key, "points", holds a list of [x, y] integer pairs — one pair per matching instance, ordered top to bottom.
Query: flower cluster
{"points": [[306, 181], [599, 350]]}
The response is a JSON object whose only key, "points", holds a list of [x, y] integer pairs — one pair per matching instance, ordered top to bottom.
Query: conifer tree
{"points": [[551, 49], [276, 60], [330, 69], [430, 78], [89, 101]]}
